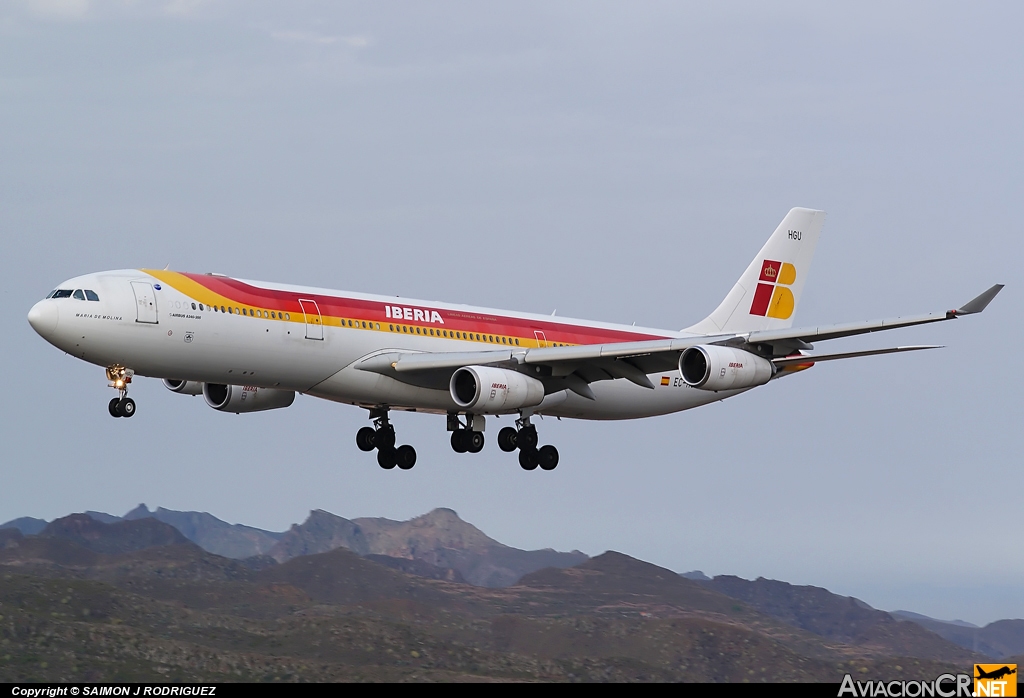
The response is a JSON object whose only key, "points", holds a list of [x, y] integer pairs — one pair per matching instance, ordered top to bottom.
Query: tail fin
{"points": [[766, 296]]}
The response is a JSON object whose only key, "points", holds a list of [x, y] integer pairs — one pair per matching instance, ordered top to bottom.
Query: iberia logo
{"points": [[772, 296], [995, 680]]}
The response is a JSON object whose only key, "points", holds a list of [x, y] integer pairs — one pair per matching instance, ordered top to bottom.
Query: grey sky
{"points": [[614, 161]]}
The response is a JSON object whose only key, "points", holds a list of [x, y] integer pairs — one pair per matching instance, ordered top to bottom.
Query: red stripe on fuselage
{"points": [[454, 320]]}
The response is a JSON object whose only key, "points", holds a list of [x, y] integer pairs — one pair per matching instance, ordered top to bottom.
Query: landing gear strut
{"points": [[120, 377], [382, 437], [468, 437], [525, 439]]}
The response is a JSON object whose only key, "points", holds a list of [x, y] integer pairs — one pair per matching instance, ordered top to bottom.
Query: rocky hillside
{"points": [[211, 534], [440, 539], [438, 545], [174, 612], [842, 618], [999, 640]]}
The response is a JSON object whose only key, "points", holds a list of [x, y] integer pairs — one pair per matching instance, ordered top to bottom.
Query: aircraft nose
{"points": [[43, 318]]}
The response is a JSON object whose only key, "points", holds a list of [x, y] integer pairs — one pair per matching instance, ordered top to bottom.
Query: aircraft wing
{"points": [[825, 332], [575, 367]]}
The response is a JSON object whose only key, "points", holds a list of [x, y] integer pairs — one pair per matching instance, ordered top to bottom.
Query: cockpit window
{"points": [[61, 293], [79, 295], [91, 295]]}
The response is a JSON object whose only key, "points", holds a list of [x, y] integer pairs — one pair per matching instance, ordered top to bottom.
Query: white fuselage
{"points": [[214, 329]]}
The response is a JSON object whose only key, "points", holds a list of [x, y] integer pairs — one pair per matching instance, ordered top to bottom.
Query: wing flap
{"points": [[782, 362]]}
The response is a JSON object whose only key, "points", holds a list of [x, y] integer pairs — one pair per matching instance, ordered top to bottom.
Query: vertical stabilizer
{"points": [[766, 296]]}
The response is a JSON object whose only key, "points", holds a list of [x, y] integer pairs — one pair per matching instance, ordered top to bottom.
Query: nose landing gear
{"points": [[120, 377], [382, 437]]}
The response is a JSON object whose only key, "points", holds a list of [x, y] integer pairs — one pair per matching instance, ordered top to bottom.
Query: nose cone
{"points": [[43, 318]]}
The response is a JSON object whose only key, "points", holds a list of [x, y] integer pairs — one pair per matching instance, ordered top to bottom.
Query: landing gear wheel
{"points": [[112, 407], [126, 407], [365, 438], [507, 438], [527, 438], [384, 439], [474, 441], [459, 444], [405, 457], [547, 457], [386, 458], [528, 459]]}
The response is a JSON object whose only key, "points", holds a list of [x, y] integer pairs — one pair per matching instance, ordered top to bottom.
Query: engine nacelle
{"points": [[712, 367], [183, 387], [486, 389], [245, 398]]}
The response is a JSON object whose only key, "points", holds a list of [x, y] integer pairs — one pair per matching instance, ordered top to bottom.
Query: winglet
{"points": [[980, 303]]}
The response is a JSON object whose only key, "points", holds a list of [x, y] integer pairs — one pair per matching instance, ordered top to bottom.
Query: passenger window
{"points": [[79, 295], [91, 295], [193, 306], [237, 311], [287, 316], [503, 341], [517, 341]]}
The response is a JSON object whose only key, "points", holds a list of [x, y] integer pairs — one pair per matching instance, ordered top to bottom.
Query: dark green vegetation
{"points": [[129, 600]]}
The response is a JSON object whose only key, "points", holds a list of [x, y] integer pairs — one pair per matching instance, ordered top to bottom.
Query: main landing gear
{"points": [[120, 377], [382, 437], [468, 437], [525, 439]]}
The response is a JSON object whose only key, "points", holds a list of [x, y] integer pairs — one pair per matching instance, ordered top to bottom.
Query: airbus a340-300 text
{"points": [[248, 346]]}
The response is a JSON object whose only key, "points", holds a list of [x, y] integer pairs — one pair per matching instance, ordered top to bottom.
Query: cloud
{"points": [[184, 8], [58, 9], [307, 37], [357, 41]]}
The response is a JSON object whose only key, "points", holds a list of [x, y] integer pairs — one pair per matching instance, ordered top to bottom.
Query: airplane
{"points": [[249, 346], [994, 674]]}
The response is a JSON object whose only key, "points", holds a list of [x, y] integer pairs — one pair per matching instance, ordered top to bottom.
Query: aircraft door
{"points": [[145, 302], [314, 322], [542, 341]]}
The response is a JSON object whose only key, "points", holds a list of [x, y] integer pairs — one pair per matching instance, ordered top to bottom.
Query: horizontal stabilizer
{"points": [[981, 302], [809, 359]]}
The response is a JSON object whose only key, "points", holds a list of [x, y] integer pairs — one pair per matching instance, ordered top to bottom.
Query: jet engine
{"points": [[714, 367], [183, 387], [486, 389], [245, 398]]}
